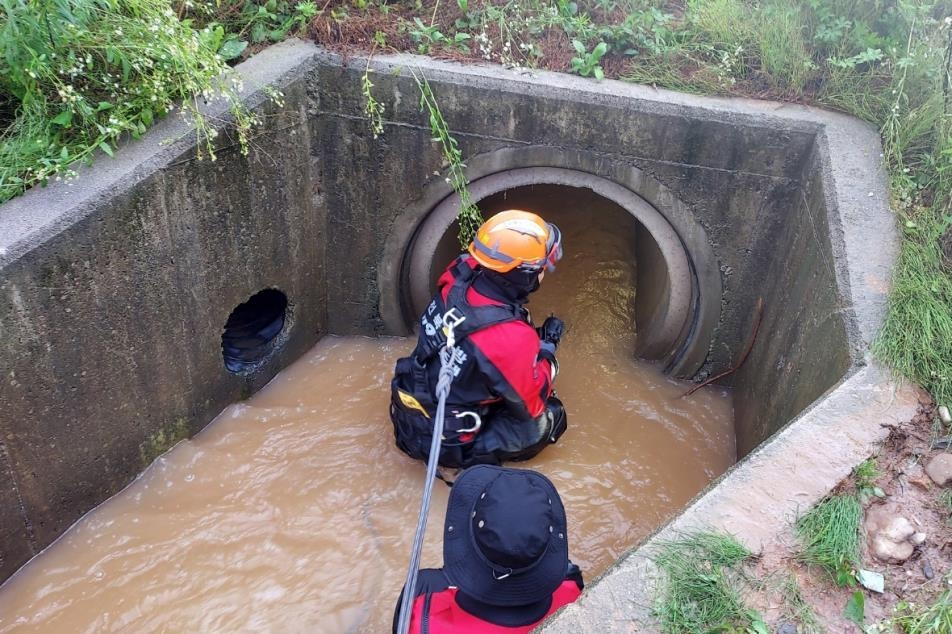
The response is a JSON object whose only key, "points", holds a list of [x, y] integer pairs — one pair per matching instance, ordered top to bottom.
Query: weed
{"points": [[256, 21], [428, 37], [783, 54], [587, 62], [77, 75], [372, 108], [469, 216], [917, 336], [864, 475], [945, 503], [829, 534], [701, 590], [797, 610], [930, 619]]}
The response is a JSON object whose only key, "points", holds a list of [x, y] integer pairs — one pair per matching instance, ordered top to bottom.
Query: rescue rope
{"points": [[448, 354]]}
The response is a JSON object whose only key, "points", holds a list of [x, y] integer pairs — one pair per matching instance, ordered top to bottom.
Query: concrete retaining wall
{"points": [[114, 290]]}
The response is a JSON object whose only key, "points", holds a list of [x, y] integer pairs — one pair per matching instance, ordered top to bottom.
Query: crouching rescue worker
{"points": [[501, 405], [505, 557]]}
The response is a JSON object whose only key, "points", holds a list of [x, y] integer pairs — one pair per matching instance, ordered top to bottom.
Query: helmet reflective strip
{"points": [[492, 252]]}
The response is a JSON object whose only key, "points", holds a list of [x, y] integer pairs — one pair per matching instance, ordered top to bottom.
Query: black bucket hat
{"points": [[505, 541]]}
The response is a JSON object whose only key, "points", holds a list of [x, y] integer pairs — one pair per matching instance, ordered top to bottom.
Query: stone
{"points": [[944, 414], [940, 469], [921, 482], [899, 529], [889, 533], [917, 539], [891, 552], [787, 628]]}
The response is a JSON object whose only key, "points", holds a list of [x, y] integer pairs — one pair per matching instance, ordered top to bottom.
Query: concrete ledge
{"points": [[758, 500]]}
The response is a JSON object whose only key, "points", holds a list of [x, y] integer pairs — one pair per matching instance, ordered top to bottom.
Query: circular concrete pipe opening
{"points": [[669, 300], [252, 330]]}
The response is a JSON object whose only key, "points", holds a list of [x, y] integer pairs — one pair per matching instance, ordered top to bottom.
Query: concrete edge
{"points": [[855, 182], [42, 212], [759, 499]]}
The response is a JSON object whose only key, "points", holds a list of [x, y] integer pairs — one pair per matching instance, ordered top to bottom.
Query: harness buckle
{"points": [[451, 319], [475, 427]]}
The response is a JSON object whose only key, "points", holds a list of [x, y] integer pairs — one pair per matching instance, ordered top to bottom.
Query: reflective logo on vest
{"points": [[411, 403]]}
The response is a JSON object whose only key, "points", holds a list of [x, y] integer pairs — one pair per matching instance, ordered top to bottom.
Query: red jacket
{"points": [[502, 361], [436, 610]]}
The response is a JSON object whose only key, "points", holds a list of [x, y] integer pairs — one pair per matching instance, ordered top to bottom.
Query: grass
{"points": [[76, 76], [916, 338], [945, 503], [829, 534], [701, 589], [796, 610], [931, 619]]}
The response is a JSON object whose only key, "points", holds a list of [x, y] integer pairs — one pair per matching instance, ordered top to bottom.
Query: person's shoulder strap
{"points": [[476, 317], [429, 581]]}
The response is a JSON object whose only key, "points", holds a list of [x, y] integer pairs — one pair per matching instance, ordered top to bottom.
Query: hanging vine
{"points": [[468, 216]]}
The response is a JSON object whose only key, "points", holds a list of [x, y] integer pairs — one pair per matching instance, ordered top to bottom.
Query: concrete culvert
{"points": [[769, 202], [675, 309], [252, 330]]}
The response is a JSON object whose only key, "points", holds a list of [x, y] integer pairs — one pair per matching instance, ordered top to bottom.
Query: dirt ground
{"points": [[920, 580]]}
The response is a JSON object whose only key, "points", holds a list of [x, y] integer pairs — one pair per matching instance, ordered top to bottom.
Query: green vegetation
{"points": [[78, 75], [469, 216], [163, 440], [864, 476], [945, 503], [829, 534], [702, 586], [796, 610], [930, 619]]}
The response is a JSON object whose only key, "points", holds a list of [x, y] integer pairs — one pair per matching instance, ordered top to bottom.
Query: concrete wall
{"points": [[114, 290], [111, 312], [801, 347]]}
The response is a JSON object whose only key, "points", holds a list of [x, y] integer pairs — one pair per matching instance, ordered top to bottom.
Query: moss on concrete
{"points": [[163, 440]]}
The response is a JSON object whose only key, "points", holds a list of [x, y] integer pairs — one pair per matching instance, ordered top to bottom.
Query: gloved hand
{"points": [[551, 330]]}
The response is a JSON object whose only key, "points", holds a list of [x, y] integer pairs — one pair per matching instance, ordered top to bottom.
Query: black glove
{"points": [[551, 330]]}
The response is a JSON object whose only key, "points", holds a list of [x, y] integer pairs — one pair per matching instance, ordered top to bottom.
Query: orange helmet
{"points": [[517, 239]]}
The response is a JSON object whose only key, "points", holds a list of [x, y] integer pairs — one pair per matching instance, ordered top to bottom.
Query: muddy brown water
{"points": [[293, 511]]}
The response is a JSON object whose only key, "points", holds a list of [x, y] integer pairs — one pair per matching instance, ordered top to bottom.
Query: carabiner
{"points": [[451, 319], [474, 428]]}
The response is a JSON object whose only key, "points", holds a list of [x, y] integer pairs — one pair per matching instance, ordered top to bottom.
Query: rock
{"points": [[944, 414], [940, 469], [921, 481], [898, 529], [889, 533], [917, 539], [891, 552], [927, 570], [787, 628]]}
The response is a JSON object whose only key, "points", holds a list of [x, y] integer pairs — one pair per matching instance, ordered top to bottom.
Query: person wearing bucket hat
{"points": [[501, 404], [505, 557]]}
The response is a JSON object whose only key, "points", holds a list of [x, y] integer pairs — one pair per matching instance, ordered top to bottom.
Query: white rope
{"points": [[448, 354]]}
